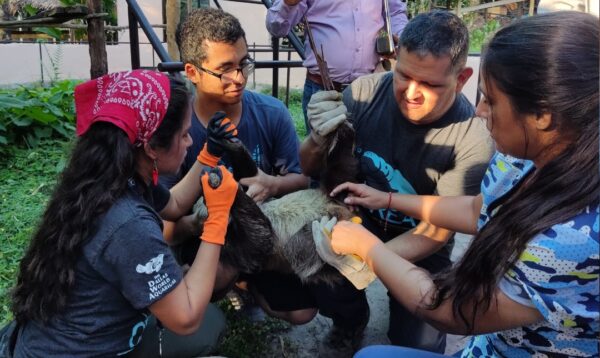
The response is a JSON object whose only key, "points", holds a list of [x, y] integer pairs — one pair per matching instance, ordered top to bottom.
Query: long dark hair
{"points": [[543, 67], [101, 163]]}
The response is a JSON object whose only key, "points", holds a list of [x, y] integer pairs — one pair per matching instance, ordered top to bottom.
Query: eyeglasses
{"points": [[229, 76]]}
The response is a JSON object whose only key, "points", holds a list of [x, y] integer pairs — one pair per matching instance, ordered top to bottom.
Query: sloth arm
{"points": [[311, 157]]}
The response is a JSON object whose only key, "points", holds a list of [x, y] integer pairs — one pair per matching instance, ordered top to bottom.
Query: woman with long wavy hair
{"points": [[97, 268], [528, 284]]}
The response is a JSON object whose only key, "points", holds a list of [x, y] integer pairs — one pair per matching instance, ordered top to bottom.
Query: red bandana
{"points": [[135, 101]]}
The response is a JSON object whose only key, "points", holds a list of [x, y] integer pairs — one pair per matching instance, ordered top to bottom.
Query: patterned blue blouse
{"points": [[557, 274]]}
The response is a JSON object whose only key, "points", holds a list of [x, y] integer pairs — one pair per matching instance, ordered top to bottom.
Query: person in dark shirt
{"points": [[415, 134], [97, 270]]}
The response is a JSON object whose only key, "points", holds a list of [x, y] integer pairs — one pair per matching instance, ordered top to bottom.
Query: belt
{"points": [[340, 87]]}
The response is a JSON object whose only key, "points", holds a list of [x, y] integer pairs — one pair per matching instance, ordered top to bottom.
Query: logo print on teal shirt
{"points": [[396, 183]]}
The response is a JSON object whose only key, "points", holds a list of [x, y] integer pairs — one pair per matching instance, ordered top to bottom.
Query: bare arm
{"points": [[263, 186], [184, 194], [455, 213], [422, 241], [414, 289], [182, 309]]}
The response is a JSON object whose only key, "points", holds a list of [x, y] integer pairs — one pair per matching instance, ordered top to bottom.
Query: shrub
{"points": [[29, 114]]}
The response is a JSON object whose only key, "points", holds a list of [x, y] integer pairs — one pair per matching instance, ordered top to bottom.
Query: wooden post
{"points": [[173, 14], [96, 40]]}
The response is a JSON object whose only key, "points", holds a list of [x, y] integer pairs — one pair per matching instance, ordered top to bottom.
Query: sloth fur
{"points": [[277, 235]]}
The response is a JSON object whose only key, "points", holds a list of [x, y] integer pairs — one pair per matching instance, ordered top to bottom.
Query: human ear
{"points": [[191, 72], [462, 78], [543, 121], [150, 152]]}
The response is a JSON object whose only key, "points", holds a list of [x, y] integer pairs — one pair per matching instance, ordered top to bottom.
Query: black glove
{"points": [[220, 129]]}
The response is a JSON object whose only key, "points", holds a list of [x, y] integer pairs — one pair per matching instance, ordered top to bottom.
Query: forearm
{"points": [[311, 157], [289, 183], [184, 194], [455, 213], [420, 242], [200, 279], [412, 287], [182, 309]]}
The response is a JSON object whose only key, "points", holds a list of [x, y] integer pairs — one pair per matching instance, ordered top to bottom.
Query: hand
{"points": [[291, 2], [325, 113], [219, 129], [260, 187], [219, 190], [363, 195], [350, 238], [352, 267]]}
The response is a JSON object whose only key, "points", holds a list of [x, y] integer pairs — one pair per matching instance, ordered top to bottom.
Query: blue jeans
{"points": [[310, 88], [394, 352]]}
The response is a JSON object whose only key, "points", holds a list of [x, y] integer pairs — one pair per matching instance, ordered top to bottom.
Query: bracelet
{"points": [[387, 210]]}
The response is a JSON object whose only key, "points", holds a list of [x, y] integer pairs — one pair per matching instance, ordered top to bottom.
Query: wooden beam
{"points": [[96, 40]]}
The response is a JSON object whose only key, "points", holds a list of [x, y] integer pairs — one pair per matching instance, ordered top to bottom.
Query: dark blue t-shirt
{"points": [[265, 128], [124, 268]]}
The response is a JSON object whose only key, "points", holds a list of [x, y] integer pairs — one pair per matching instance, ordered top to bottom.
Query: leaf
{"points": [[30, 10], [52, 32], [8, 102], [55, 110], [40, 115], [22, 122], [42, 132], [3, 140]]}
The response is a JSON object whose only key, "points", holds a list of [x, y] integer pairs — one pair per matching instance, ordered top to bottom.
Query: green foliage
{"points": [[108, 6], [50, 31], [481, 34], [294, 106], [29, 114], [28, 177], [245, 338]]}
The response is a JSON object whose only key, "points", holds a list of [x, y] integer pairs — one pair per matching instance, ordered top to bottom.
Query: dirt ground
{"points": [[305, 339]]}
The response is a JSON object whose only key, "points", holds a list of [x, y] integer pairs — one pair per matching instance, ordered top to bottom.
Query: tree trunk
{"points": [[173, 14], [96, 40]]}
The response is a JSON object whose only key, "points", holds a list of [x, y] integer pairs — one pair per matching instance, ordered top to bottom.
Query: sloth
{"points": [[11, 8], [277, 235]]}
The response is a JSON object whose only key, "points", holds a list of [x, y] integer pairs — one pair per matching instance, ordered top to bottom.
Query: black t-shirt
{"points": [[446, 157], [124, 268]]}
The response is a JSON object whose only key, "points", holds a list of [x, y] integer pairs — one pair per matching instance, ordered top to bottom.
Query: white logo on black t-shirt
{"points": [[151, 266]]}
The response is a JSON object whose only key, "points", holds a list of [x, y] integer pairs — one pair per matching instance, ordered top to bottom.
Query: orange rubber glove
{"points": [[219, 128], [219, 189]]}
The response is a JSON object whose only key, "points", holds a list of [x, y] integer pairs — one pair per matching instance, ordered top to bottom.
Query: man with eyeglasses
{"points": [[214, 50]]}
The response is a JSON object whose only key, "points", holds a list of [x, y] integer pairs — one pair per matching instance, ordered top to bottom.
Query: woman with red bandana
{"points": [[97, 269]]}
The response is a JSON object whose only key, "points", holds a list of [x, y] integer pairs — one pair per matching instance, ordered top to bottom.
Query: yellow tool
{"points": [[354, 219]]}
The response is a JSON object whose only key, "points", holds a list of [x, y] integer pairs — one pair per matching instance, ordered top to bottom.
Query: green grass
{"points": [[28, 177]]}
